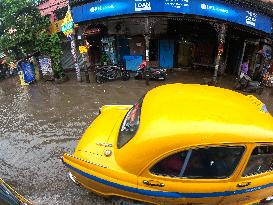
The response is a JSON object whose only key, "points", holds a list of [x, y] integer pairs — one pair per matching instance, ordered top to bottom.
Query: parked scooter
{"points": [[108, 73], [151, 73], [246, 84]]}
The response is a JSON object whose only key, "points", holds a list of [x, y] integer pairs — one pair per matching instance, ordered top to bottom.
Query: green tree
{"points": [[23, 31], [49, 45]]}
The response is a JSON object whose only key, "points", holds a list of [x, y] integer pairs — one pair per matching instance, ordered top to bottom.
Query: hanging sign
{"points": [[68, 24], [92, 31], [83, 49], [45, 65], [29, 75]]}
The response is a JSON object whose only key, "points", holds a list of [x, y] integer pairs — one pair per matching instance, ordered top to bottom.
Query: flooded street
{"points": [[42, 121]]}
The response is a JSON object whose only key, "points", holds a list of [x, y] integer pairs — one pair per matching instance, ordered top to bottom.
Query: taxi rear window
{"points": [[130, 124], [261, 161], [201, 163]]}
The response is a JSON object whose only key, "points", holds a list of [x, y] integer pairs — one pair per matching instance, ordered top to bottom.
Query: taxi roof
{"points": [[175, 105], [182, 115]]}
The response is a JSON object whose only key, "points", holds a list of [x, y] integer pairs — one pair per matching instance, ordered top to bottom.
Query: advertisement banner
{"points": [[67, 24], [83, 49], [45, 65], [28, 71]]}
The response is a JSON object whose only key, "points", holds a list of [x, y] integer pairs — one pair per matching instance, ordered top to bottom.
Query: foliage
{"points": [[20, 21], [23, 31], [56, 53]]}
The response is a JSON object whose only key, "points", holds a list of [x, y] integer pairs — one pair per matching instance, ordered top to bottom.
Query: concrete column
{"points": [[147, 36], [221, 40], [147, 44], [117, 48], [73, 49], [74, 53], [241, 60], [223, 65]]}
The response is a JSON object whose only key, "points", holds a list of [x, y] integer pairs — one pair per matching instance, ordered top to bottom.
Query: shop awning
{"points": [[210, 8]]}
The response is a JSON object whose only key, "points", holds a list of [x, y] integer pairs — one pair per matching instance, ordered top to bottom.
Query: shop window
{"points": [[137, 46], [204, 53], [153, 55], [260, 161], [203, 163]]}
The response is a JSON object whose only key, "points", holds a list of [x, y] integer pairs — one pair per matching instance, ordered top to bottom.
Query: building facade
{"points": [[55, 10], [211, 34]]}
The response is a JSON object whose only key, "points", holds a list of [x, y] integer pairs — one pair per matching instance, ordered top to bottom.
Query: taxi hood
{"points": [[97, 134]]}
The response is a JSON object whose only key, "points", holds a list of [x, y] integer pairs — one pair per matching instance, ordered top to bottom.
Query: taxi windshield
{"points": [[130, 124]]}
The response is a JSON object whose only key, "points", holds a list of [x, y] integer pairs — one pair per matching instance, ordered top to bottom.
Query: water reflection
{"points": [[42, 121]]}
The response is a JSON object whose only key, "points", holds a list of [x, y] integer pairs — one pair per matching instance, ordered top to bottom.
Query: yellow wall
{"points": [[56, 26]]}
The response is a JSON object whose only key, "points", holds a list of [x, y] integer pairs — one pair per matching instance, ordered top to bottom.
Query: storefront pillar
{"points": [[149, 26], [221, 30], [147, 36], [73, 48], [117, 48], [147, 51], [75, 57], [241, 59]]}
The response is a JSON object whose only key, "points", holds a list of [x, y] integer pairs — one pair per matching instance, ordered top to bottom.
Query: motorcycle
{"points": [[3, 72], [108, 73], [151, 73], [260, 74], [268, 80], [246, 84]]}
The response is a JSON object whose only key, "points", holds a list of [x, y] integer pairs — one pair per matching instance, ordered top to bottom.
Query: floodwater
{"points": [[42, 121]]}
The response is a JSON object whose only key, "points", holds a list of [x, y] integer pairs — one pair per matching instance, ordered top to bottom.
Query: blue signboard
{"points": [[207, 8], [132, 62], [29, 75]]}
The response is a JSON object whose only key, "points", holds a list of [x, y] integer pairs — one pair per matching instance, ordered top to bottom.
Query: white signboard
{"points": [[143, 5], [45, 65]]}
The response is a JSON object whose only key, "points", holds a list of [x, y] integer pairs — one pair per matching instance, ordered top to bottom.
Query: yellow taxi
{"points": [[179, 144]]}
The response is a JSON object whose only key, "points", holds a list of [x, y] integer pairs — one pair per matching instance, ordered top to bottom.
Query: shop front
{"points": [[172, 33]]}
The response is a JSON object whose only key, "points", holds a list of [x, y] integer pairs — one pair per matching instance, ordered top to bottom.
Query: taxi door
{"points": [[189, 177], [255, 181], [165, 190]]}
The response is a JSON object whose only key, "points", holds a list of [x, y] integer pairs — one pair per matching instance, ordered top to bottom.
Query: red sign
{"points": [[92, 31]]}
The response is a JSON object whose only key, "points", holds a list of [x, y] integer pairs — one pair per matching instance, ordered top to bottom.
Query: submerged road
{"points": [[42, 121]]}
